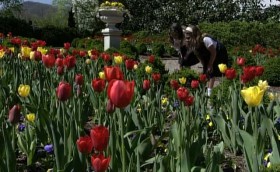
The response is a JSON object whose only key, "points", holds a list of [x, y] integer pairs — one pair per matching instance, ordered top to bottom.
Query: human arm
{"points": [[210, 44], [213, 54]]}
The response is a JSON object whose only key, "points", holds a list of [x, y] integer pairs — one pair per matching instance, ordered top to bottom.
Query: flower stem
{"points": [[122, 140]]}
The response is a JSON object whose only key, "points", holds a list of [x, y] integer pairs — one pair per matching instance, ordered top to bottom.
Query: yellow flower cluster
{"points": [[108, 4]]}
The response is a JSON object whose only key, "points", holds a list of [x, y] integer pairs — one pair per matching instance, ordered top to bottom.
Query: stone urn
{"points": [[112, 35]]}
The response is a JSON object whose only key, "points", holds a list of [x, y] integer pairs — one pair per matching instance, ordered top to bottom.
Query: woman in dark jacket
{"points": [[187, 57]]}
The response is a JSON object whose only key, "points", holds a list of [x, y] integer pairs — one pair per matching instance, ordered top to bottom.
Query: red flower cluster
{"points": [[250, 72], [183, 95], [97, 141]]}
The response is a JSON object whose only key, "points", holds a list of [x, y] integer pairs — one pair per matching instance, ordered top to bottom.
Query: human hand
{"points": [[209, 69]]}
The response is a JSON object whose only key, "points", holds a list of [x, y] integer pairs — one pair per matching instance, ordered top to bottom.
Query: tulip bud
{"points": [[60, 70], [79, 79], [146, 84], [63, 91], [110, 107], [14, 114]]}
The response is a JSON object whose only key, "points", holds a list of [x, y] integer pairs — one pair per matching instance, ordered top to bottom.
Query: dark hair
{"points": [[176, 28]]}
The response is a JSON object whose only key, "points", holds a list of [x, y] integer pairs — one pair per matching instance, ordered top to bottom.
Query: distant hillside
{"points": [[35, 10]]}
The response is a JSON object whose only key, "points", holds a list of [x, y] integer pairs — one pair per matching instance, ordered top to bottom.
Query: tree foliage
{"points": [[8, 6]]}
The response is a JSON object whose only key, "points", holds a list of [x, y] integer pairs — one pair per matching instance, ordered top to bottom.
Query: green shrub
{"points": [[74, 42], [142, 48], [128, 49], [158, 49], [171, 51], [271, 71]]}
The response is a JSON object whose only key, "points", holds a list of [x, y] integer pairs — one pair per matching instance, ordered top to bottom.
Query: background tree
{"points": [[8, 6]]}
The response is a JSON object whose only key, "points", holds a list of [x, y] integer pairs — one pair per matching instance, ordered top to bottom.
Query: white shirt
{"points": [[209, 41]]}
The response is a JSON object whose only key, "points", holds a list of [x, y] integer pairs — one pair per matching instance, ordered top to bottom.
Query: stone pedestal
{"points": [[112, 35]]}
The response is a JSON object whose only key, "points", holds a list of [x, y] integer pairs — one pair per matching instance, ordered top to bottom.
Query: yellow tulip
{"points": [[12, 49], [42, 50], [62, 50], [25, 52], [2, 53], [89, 53], [32, 55], [118, 59], [88, 61], [135, 66], [222, 67], [148, 69], [101, 75], [182, 80], [263, 85], [23, 90], [252, 95], [164, 101], [30, 117]]}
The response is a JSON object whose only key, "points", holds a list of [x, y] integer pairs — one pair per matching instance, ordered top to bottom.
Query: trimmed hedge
{"points": [[272, 71]]}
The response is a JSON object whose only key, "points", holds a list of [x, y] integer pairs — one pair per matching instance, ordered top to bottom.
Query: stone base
{"points": [[112, 38]]}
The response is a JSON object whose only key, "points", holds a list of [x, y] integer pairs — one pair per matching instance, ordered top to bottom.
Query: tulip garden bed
{"points": [[83, 110]]}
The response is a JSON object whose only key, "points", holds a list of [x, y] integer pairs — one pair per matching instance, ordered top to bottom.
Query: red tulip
{"points": [[41, 43], [67, 45], [75, 52], [95, 52], [83, 53], [37, 55], [106, 57], [151, 59], [48, 60], [69, 61], [240, 61], [59, 62], [129, 63], [60, 70], [259, 70], [113, 72], [230, 73], [249, 74], [156, 77], [202, 78], [79, 79], [98, 84], [146, 84], [174, 84], [194, 84], [63, 91], [120, 92], [182, 93], [189, 100], [14, 114], [100, 137], [85, 144], [100, 163]]}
